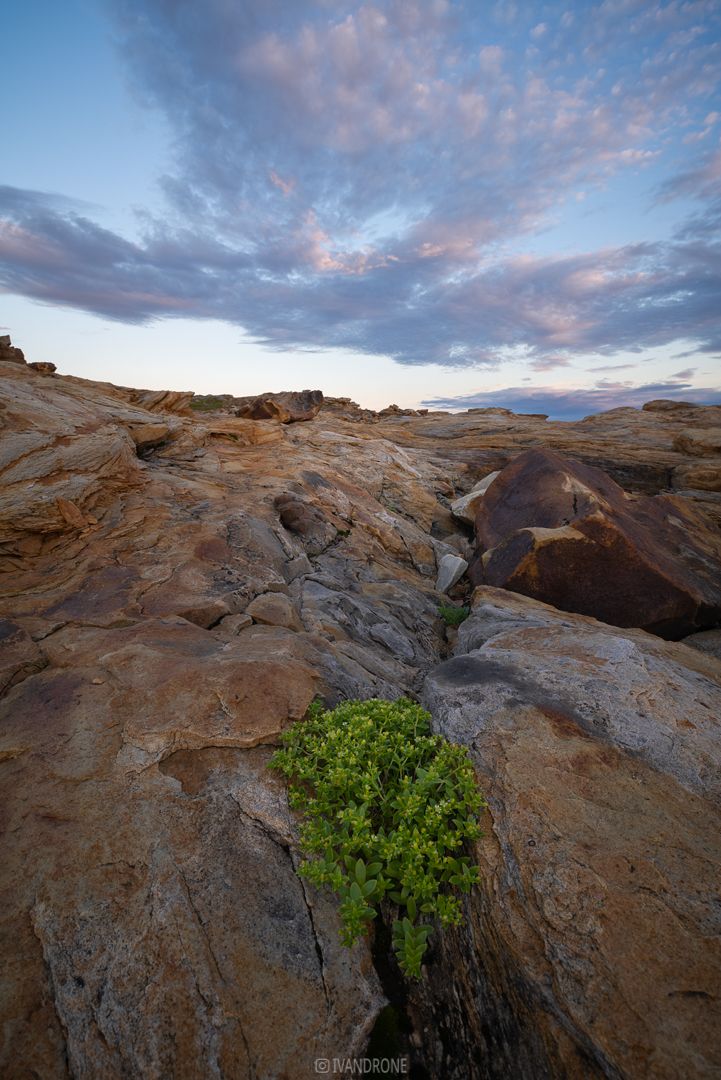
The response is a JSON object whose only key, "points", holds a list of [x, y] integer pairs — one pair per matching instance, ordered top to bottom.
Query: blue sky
{"points": [[405, 200]]}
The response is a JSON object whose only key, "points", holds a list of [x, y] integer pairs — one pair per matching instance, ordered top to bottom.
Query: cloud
{"points": [[364, 174], [547, 363], [613, 367], [687, 373], [575, 404]]}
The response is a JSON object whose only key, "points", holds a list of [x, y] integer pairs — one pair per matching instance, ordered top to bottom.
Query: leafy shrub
{"points": [[452, 615], [387, 807]]}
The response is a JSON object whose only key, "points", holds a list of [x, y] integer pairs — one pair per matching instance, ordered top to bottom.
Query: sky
{"points": [[449, 203]]}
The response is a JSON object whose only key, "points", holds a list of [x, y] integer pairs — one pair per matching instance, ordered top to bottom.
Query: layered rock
{"points": [[9, 354], [288, 407], [565, 533], [177, 588], [166, 627], [592, 946]]}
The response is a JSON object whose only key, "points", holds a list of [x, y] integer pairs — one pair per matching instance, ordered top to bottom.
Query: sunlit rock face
{"points": [[288, 407], [177, 587]]}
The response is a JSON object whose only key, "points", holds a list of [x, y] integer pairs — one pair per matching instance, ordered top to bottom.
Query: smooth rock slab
{"points": [[596, 920]]}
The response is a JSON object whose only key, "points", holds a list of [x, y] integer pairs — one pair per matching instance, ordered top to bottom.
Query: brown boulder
{"points": [[8, 353], [288, 407], [565, 533]]}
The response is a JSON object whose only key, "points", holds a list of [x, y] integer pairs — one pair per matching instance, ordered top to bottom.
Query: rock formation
{"points": [[288, 407], [565, 533], [177, 586], [598, 752]]}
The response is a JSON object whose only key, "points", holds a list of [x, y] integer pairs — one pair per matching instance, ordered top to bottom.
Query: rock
{"points": [[8, 353], [43, 367], [172, 401], [665, 405], [288, 407], [148, 436], [702, 443], [704, 476], [466, 507], [301, 516], [566, 534], [298, 567], [451, 569], [274, 609], [205, 614], [234, 624], [708, 641], [19, 656], [153, 856], [591, 947]]}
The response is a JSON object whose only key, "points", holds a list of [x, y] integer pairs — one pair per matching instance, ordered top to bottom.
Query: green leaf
{"points": [[384, 804]]}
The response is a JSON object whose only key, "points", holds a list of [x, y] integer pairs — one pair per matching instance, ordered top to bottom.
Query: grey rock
{"points": [[465, 508], [451, 569], [596, 749]]}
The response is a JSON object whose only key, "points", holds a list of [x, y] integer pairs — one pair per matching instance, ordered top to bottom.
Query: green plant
{"points": [[205, 403], [452, 615], [387, 808]]}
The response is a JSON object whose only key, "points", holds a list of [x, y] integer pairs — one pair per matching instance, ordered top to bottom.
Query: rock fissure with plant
{"points": [[166, 620], [387, 810]]}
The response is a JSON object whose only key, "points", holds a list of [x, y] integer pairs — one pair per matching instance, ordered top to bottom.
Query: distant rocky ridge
{"points": [[179, 583]]}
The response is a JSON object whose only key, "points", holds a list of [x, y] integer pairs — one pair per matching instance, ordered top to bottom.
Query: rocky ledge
{"points": [[179, 582]]}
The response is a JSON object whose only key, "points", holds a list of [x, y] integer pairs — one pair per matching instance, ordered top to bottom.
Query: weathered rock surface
{"points": [[8, 353], [288, 407], [706, 443], [466, 508], [565, 533], [451, 569], [175, 589], [708, 641], [152, 920], [592, 947]]}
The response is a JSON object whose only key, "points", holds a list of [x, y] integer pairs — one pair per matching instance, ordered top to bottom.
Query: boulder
{"points": [[8, 353], [43, 367], [288, 407], [704, 442], [466, 507], [565, 533], [451, 569], [274, 609], [592, 947]]}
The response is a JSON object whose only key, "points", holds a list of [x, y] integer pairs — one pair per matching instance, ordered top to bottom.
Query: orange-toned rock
{"points": [[289, 406], [565, 533]]}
